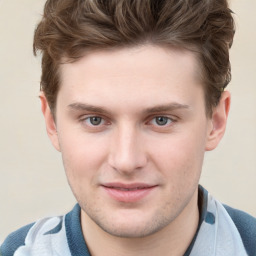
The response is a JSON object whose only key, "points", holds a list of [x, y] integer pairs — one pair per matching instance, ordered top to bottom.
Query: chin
{"points": [[133, 225], [130, 231]]}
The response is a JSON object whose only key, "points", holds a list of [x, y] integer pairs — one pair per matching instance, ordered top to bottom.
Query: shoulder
{"points": [[246, 225], [32, 236], [14, 241]]}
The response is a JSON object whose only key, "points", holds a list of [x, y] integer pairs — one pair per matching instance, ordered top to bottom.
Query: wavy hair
{"points": [[69, 28]]}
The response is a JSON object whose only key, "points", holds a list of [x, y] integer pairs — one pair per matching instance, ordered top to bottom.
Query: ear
{"points": [[49, 121], [218, 122]]}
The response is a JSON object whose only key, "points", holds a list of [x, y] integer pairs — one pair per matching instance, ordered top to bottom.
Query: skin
{"points": [[127, 90]]}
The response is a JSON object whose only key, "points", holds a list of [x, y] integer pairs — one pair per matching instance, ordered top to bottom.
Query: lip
{"points": [[128, 193]]}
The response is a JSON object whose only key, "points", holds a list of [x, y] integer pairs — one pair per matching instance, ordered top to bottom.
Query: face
{"points": [[132, 129]]}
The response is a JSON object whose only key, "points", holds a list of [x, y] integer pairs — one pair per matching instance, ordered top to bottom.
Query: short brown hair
{"points": [[71, 27]]}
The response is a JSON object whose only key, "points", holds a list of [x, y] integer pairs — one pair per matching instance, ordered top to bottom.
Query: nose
{"points": [[127, 153]]}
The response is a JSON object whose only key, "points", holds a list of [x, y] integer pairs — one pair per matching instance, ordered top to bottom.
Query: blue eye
{"points": [[94, 120], [161, 120]]}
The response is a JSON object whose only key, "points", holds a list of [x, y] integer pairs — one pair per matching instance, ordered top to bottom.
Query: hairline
{"points": [[185, 47]]}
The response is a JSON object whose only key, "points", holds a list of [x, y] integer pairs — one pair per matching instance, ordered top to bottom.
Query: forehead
{"points": [[123, 60], [156, 73]]}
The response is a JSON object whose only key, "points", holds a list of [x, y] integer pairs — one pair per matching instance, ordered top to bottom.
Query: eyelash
{"points": [[89, 118], [168, 120], [104, 122]]}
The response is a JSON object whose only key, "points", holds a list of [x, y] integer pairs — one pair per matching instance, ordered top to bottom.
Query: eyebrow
{"points": [[87, 107], [166, 107], [159, 108]]}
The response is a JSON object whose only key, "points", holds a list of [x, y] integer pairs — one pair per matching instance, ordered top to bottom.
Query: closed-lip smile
{"points": [[128, 193]]}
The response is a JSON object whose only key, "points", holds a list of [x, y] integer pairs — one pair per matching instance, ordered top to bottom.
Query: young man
{"points": [[132, 92]]}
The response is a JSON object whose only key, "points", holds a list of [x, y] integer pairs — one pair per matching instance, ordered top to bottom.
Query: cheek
{"points": [[82, 156], [180, 157], [180, 165]]}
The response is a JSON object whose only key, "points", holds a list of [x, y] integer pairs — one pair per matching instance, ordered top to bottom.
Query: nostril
{"points": [[127, 163]]}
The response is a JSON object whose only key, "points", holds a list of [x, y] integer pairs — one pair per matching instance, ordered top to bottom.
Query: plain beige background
{"points": [[33, 184]]}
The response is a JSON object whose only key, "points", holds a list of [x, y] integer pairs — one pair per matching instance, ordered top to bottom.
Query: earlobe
{"points": [[49, 121], [218, 122]]}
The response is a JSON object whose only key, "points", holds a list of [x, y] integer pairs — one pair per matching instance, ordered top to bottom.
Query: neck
{"points": [[173, 240]]}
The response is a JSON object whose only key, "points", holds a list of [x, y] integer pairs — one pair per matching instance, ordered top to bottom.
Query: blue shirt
{"points": [[222, 230]]}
